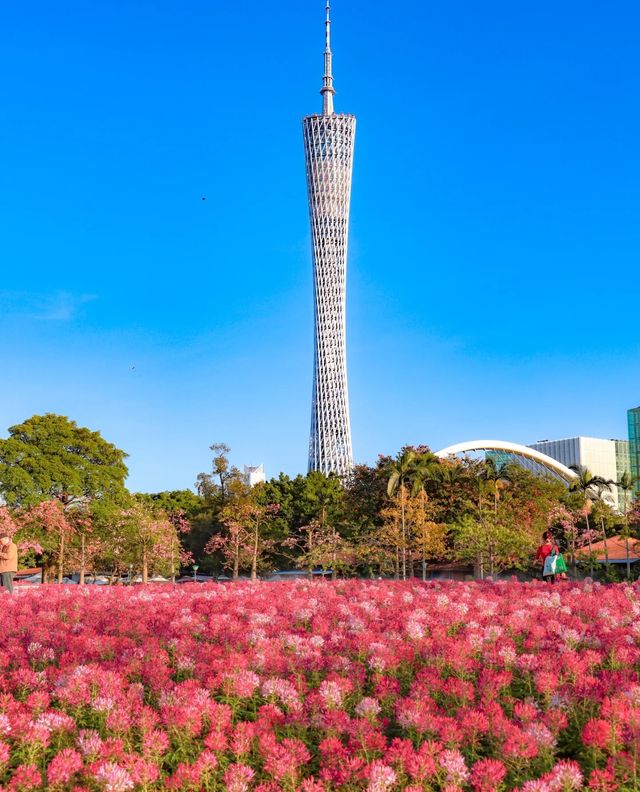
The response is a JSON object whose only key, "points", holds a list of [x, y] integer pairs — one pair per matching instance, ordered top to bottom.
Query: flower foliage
{"points": [[355, 685]]}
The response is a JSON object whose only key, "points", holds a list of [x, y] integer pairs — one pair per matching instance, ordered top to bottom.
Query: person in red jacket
{"points": [[545, 549]]}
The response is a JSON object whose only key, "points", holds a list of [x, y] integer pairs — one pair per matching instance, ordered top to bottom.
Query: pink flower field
{"points": [[311, 686]]}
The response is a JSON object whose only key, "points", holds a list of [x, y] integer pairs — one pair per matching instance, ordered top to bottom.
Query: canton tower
{"points": [[328, 150]]}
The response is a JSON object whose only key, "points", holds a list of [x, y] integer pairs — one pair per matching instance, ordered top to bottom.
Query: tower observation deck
{"points": [[328, 147]]}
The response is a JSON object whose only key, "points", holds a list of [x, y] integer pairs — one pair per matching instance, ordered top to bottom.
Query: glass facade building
{"points": [[633, 421], [623, 458]]}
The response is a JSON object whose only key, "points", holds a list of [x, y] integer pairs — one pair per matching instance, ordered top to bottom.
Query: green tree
{"points": [[50, 456], [400, 470], [496, 477], [492, 478], [215, 485], [588, 485], [627, 485], [454, 489], [364, 499], [171, 501], [307, 507], [184, 510], [602, 512], [46, 524], [428, 536], [138, 537], [245, 541], [504, 544]]}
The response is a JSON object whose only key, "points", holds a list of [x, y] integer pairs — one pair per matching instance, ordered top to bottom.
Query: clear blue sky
{"points": [[493, 279]]}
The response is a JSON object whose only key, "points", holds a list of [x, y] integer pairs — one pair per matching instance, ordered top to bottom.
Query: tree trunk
{"points": [[404, 535], [626, 537], [626, 542], [590, 546], [606, 546], [309, 549], [333, 557], [61, 559], [82, 559], [254, 559], [173, 563], [236, 563], [145, 566], [480, 566]]}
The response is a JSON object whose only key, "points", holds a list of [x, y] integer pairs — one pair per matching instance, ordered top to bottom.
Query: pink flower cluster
{"points": [[318, 686]]}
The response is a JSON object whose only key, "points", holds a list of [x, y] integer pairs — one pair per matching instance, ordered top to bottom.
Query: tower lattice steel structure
{"points": [[328, 148]]}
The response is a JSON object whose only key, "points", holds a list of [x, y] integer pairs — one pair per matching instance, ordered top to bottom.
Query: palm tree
{"points": [[426, 468], [400, 470], [497, 477], [455, 479], [627, 484], [588, 485], [600, 496]]}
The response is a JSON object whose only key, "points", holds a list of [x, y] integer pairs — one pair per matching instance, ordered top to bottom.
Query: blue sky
{"points": [[495, 231]]}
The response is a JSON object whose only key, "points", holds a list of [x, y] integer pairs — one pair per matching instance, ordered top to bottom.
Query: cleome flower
{"points": [[315, 686]]}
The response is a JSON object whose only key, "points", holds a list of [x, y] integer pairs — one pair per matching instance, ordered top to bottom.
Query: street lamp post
{"points": [[195, 569]]}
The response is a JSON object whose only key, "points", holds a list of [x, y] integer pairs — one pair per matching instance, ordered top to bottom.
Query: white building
{"points": [[329, 140], [606, 458], [254, 474]]}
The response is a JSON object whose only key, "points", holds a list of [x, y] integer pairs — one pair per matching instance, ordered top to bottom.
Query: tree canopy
{"points": [[50, 456]]}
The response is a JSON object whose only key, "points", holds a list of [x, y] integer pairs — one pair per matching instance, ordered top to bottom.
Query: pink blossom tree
{"points": [[8, 525], [47, 526], [244, 542]]}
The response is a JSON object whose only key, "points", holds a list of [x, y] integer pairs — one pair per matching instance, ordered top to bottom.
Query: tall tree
{"points": [[50, 456], [399, 471], [496, 476], [492, 477], [216, 484], [587, 484], [627, 485], [454, 489], [365, 497], [182, 508], [602, 511], [563, 521], [47, 524], [428, 536], [244, 542]]}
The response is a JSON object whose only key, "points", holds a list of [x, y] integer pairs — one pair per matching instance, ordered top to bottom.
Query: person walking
{"points": [[546, 548], [8, 562]]}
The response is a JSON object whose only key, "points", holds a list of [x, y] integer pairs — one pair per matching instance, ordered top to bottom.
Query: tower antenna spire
{"points": [[327, 89]]}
